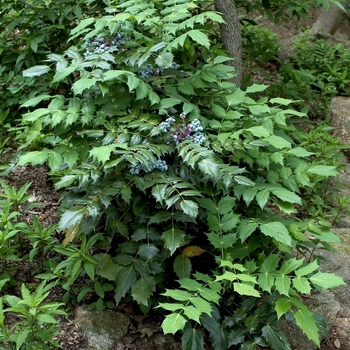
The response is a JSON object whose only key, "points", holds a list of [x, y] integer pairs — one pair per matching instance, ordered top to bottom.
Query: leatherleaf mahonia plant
{"points": [[171, 170]]}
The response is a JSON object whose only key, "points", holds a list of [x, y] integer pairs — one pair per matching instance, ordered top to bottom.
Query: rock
{"points": [[340, 107], [102, 329], [166, 342]]}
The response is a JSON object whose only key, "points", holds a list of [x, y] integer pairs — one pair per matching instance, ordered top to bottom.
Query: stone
{"points": [[340, 107], [102, 329]]}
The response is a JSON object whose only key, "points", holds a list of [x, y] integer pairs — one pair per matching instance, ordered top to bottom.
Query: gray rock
{"points": [[340, 107], [102, 329]]}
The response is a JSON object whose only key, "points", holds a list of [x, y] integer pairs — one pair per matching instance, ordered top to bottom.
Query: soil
{"points": [[143, 329]]}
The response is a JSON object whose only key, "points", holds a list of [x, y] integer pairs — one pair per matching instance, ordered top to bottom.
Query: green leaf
{"points": [[82, 24], [199, 37], [164, 59], [36, 71], [62, 74], [83, 84], [256, 88], [34, 101], [281, 101], [259, 131], [277, 141], [300, 152], [102, 153], [33, 158], [209, 167], [323, 170], [242, 180], [158, 192], [286, 195], [262, 198], [189, 207], [71, 217], [245, 229], [277, 231], [173, 238], [222, 241], [148, 251], [290, 265], [182, 266], [89, 268], [106, 268], [305, 270], [126, 277], [326, 280], [282, 284], [302, 285], [142, 289], [245, 289], [178, 294], [202, 305], [282, 305], [170, 307], [192, 313], [45, 318], [306, 321], [173, 323], [217, 336], [21, 338], [275, 338], [192, 339]]}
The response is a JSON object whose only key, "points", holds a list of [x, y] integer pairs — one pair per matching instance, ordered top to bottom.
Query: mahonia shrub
{"points": [[171, 172]]}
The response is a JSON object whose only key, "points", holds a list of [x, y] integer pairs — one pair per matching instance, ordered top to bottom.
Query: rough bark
{"points": [[328, 21], [231, 35]]}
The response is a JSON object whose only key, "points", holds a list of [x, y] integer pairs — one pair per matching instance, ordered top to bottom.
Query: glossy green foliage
{"points": [[169, 172]]}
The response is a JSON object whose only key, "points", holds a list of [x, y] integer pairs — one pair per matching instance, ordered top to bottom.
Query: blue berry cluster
{"points": [[103, 44], [97, 46], [148, 70], [197, 130], [193, 131], [159, 164]]}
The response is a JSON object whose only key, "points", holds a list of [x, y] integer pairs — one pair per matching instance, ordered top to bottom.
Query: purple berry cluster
{"points": [[148, 70], [193, 131]]}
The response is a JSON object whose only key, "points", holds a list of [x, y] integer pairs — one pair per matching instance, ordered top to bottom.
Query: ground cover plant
{"points": [[171, 172]]}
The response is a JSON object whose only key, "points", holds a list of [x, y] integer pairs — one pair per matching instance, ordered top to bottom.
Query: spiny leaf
{"points": [[199, 37], [36, 71], [72, 216], [277, 231], [173, 238], [182, 266], [326, 280], [142, 289], [306, 321], [173, 323], [275, 338], [192, 339]]}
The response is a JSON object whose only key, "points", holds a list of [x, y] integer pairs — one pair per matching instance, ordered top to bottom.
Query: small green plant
{"points": [[259, 43], [315, 73], [37, 325]]}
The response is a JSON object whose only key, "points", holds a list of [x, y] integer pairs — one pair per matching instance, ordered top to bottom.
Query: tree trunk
{"points": [[231, 35]]}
